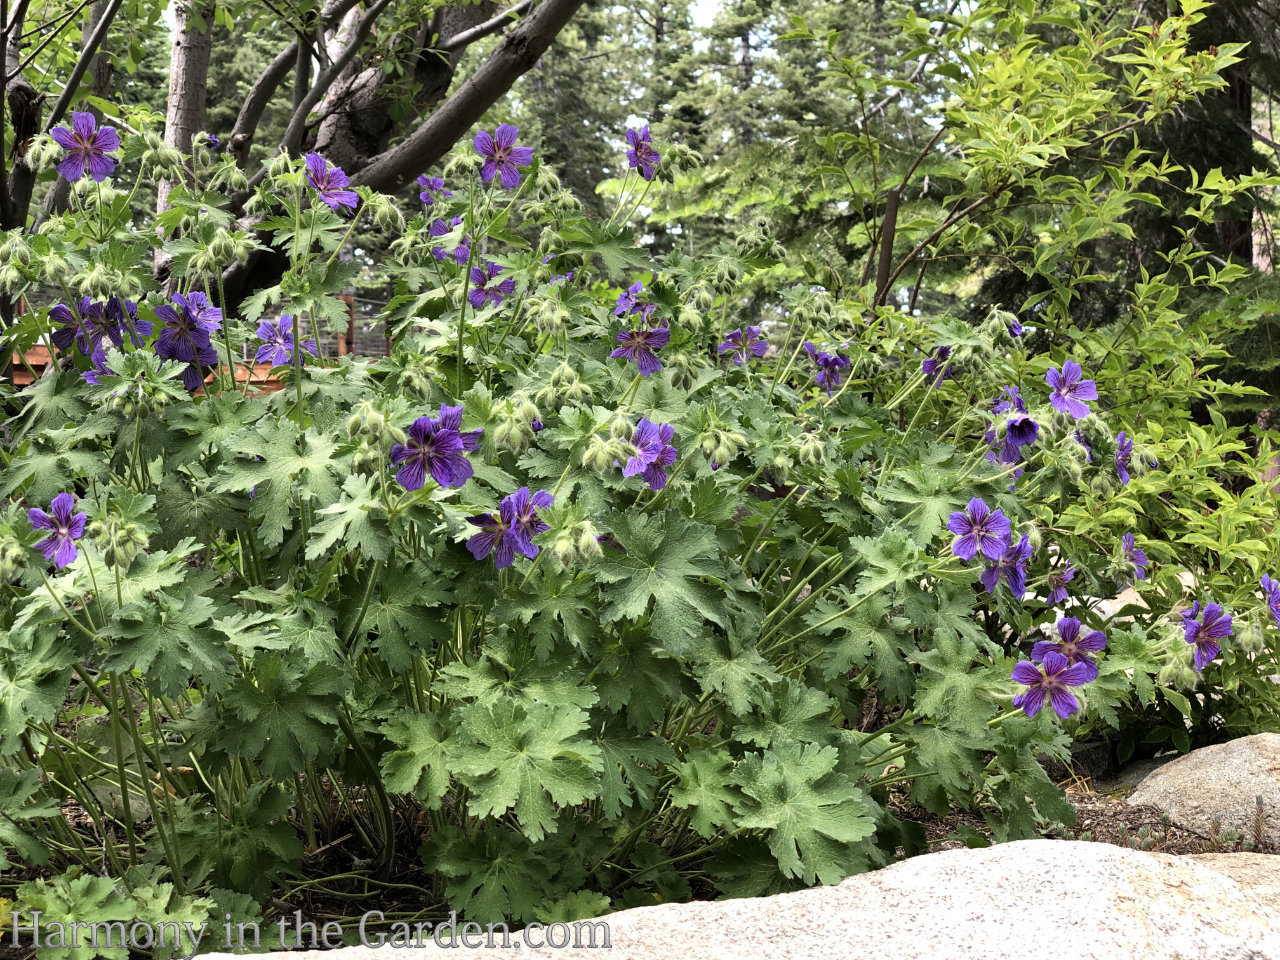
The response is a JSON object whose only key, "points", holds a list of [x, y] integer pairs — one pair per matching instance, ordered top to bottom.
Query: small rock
{"points": [[1223, 782]]}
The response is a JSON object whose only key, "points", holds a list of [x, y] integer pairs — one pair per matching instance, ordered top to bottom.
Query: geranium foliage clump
{"points": [[562, 621]]}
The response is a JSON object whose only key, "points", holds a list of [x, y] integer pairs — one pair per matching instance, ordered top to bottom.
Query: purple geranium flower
{"points": [[87, 146], [642, 154], [502, 156], [330, 183], [432, 188], [462, 253], [484, 289], [630, 302], [199, 307], [124, 313], [84, 324], [1015, 327], [185, 337], [277, 342], [744, 345], [640, 346], [935, 365], [829, 366], [1069, 391], [536, 425], [436, 446], [1124, 450], [653, 453], [979, 527], [65, 529], [512, 530], [1135, 555], [1011, 567], [1058, 580], [1272, 589], [1204, 631], [1073, 646], [1050, 681]]}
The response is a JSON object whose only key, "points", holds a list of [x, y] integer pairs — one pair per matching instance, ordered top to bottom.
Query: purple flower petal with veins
{"points": [[87, 146], [502, 156], [1070, 391], [64, 526], [979, 528]]}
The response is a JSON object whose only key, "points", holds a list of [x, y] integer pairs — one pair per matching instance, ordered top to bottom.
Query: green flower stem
{"points": [[636, 206], [791, 359], [374, 571], [800, 584], [809, 600], [91, 634], [125, 805], [383, 815]]}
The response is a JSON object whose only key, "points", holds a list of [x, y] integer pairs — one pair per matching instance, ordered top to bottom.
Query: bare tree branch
{"points": [[482, 30], [515, 55], [82, 65], [265, 86], [298, 122]]}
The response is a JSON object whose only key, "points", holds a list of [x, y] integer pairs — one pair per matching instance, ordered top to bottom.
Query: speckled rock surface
{"points": [[1222, 781], [1257, 873], [1067, 899]]}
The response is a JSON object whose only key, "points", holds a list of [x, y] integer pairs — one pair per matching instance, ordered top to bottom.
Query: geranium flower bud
{"points": [[56, 268], [620, 425], [812, 450], [601, 453], [564, 549], [12, 558]]}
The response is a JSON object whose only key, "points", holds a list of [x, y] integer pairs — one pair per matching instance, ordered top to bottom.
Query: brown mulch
{"points": [[1101, 817]]}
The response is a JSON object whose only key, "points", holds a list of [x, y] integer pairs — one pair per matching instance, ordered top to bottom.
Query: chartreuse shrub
{"points": [[592, 593]]}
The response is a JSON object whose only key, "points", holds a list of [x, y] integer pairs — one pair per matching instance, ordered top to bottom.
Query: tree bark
{"points": [[188, 81]]}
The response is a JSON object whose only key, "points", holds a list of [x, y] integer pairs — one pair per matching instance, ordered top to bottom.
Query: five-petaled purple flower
{"points": [[87, 146], [642, 154], [502, 156], [330, 183], [432, 188], [462, 253], [484, 289], [629, 302], [185, 336], [277, 342], [745, 345], [640, 346], [935, 365], [829, 366], [1069, 391], [436, 445], [1124, 450], [653, 453], [979, 527], [65, 529], [512, 529], [1135, 555], [1010, 566], [1058, 580], [1272, 589], [1204, 631], [1073, 646], [1051, 681]]}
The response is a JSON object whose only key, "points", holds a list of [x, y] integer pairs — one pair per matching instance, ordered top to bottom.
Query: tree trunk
{"points": [[188, 81]]}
